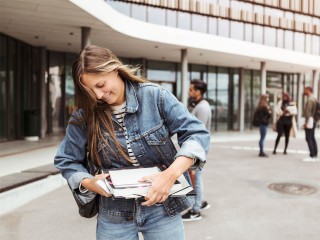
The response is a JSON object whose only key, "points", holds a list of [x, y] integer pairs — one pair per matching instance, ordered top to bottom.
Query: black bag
{"points": [[316, 114], [256, 121], [90, 209]]}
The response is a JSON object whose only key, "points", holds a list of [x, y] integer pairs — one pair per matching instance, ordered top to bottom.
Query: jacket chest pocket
{"points": [[159, 142]]}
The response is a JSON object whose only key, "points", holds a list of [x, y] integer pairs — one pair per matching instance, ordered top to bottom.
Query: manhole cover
{"points": [[292, 188]]}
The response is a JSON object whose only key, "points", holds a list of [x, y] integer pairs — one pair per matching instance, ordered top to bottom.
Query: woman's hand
{"points": [[161, 183], [93, 186]]}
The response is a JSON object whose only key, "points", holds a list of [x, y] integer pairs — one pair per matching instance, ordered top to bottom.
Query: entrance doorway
{"points": [[275, 95]]}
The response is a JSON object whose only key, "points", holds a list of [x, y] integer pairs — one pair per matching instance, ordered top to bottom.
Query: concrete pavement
{"points": [[236, 185]]}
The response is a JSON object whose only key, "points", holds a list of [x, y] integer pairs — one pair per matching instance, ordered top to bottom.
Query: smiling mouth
{"points": [[107, 96]]}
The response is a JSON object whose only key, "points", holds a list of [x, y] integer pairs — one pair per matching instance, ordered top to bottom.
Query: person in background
{"points": [[201, 109], [285, 110], [263, 115], [125, 121], [310, 125]]}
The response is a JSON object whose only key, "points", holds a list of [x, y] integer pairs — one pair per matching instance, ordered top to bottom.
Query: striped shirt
{"points": [[119, 112]]}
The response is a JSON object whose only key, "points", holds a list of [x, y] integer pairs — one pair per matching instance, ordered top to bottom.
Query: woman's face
{"points": [[108, 87]]}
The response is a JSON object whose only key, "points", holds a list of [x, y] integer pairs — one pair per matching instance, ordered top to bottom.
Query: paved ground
{"points": [[236, 185]]}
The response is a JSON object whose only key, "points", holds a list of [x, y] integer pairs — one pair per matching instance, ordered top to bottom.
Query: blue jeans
{"points": [[263, 133], [311, 140], [198, 188], [153, 222]]}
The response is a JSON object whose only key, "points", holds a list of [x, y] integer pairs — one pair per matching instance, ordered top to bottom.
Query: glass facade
{"points": [[20, 81], [19, 87]]}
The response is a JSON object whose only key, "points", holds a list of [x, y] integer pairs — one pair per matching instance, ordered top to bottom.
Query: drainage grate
{"points": [[292, 188]]}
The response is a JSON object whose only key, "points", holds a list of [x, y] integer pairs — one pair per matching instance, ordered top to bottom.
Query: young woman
{"points": [[285, 110], [263, 113], [125, 121]]}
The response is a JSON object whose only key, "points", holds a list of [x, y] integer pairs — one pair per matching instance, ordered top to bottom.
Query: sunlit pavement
{"points": [[236, 186]]}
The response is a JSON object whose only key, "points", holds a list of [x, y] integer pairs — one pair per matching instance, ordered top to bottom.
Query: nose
{"points": [[98, 93]]}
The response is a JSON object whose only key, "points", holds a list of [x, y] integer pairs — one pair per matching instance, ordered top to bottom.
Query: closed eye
{"points": [[100, 85]]}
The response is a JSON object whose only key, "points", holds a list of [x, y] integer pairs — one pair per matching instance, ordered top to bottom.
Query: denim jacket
{"points": [[153, 116]]}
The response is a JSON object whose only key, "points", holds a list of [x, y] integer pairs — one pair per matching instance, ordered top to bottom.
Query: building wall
{"points": [[292, 25]]}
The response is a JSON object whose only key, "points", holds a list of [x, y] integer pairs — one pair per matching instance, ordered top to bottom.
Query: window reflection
{"points": [[122, 7], [139, 12], [156, 16], [171, 18], [184, 20], [199, 23], [223, 27], [212, 28], [237, 30], [248, 32], [258, 34], [270, 36], [280, 38], [288, 39], [299, 42], [308, 43], [315, 45], [161, 71], [3, 87], [212, 96], [222, 99]]}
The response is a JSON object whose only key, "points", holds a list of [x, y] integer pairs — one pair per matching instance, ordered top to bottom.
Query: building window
{"points": [[122, 7], [139, 12], [156, 15], [171, 18], [184, 20], [199, 23], [212, 26], [223, 27], [237, 30], [248, 32], [280, 33], [258, 34], [270, 36], [288, 39], [299, 42], [308, 43], [315, 45], [222, 99]]}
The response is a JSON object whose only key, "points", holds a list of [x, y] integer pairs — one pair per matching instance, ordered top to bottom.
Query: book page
{"points": [[131, 176], [102, 184]]}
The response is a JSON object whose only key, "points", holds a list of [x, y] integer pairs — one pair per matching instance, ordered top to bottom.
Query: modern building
{"points": [[241, 48]]}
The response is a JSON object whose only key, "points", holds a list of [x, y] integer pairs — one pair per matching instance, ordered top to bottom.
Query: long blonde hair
{"points": [[97, 60]]}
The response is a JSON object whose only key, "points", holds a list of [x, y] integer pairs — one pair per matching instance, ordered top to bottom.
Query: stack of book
{"points": [[124, 183]]}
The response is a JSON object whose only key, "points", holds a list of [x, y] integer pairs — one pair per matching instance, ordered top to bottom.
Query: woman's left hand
{"points": [[161, 184]]}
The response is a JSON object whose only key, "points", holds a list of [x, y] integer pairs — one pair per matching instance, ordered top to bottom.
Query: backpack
{"points": [[316, 114]]}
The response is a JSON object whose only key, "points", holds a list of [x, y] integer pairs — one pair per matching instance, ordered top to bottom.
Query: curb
{"points": [[12, 199]]}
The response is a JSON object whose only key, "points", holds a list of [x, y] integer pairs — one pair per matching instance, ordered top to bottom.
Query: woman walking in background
{"points": [[285, 111], [262, 116]]}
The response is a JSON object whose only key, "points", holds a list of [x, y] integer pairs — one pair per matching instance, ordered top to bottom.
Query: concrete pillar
{"points": [[85, 37], [263, 71], [184, 77], [315, 82], [43, 92], [241, 100], [300, 108]]}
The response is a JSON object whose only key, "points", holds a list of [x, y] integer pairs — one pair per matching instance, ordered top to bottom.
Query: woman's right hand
{"points": [[93, 186]]}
